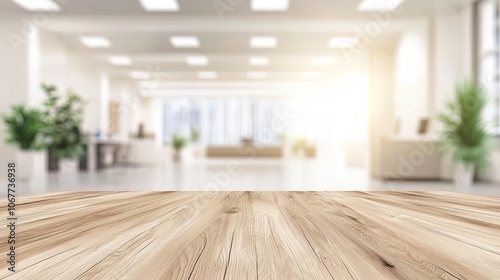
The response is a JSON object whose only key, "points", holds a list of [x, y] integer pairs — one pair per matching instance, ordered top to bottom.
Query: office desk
{"points": [[100, 155]]}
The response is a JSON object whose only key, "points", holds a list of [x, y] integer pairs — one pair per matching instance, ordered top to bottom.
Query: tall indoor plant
{"points": [[65, 116], [25, 128], [464, 133], [178, 142]]}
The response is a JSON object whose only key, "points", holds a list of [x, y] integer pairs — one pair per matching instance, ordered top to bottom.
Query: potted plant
{"points": [[65, 116], [25, 129], [464, 133], [195, 135], [178, 142], [196, 143], [299, 147]]}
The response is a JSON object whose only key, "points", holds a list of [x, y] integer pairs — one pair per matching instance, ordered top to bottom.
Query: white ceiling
{"points": [[326, 9], [302, 32]]}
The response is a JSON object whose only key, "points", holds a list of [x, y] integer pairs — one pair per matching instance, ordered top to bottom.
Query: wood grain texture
{"points": [[256, 235]]}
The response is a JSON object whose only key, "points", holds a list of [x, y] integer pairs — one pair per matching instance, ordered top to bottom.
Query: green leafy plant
{"points": [[65, 116], [25, 128], [464, 134], [195, 135], [179, 142], [299, 145]]}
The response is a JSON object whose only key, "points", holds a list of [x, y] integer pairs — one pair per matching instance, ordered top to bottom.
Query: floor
{"points": [[235, 175], [257, 235]]}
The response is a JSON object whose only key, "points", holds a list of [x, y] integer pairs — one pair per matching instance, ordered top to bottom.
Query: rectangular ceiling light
{"points": [[38, 5], [160, 5], [270, 5], [379, 5], [185, 41], [95, 42], [263, 42], [343, 42], [120, 60], [197, 60], [258, 60], [323, 61], [139, 75], [207, 75], [257, 75], [314, 75]]}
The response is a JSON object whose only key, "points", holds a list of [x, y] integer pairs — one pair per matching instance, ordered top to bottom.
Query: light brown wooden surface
{"points": [[256, 235]]}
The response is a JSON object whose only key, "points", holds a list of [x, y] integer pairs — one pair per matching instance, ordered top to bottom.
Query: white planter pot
{"points": [[177, 155], [31, 164], [69, 166], [464, 177]]}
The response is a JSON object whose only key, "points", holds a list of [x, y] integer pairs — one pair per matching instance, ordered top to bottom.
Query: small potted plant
{"points": [[65, 116], [25, 129], [464, 133], [195, 135], [178, 143], [196, 143], [299, 147]]}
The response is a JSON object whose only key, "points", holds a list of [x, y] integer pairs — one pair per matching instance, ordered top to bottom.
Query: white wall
{"points": [[453, 52], [53, 61], [453, 62], [60, 66], [70, 71], [412, 78], [15, 84], [119, 92], [145, 106], [156, 113], [382, 120], [493, 174]]}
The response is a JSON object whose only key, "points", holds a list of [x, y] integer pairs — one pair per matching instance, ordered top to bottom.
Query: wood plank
{"points": [[256, 235]]}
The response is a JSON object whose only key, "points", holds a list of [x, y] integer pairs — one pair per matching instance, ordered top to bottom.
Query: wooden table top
{"points": [[256, 235]]}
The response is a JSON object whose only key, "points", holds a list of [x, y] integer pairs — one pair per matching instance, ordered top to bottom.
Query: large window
{"points": [[489, 58], [225, 121]]}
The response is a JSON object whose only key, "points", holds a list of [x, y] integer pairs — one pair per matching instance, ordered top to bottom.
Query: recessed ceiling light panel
{"points": [[38, 5], [160, 5], [270, 5], [379, 5], [185, 41], [95, 42], [263, 42], [343, 42], [120, 60], [197, 60], [259, 61]]}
